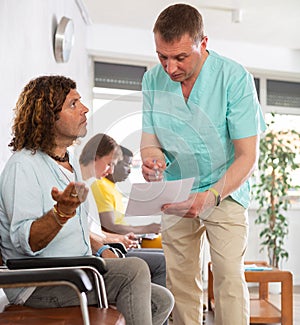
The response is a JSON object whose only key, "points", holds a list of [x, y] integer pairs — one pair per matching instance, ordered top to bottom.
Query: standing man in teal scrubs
{"points": [[202, 119]]}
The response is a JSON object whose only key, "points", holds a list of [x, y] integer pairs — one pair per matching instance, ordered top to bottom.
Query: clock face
{"points": [[64, 40]]}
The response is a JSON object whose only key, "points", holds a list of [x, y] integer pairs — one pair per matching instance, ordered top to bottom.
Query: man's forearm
{"points": [[150, 147], [152, 152], [241, 169], [233, 178], [117, 228], [125, 229], [43, 230], [96, 241]]}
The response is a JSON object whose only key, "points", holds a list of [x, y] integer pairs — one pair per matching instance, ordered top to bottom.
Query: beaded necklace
{"points": [[61, 159]]}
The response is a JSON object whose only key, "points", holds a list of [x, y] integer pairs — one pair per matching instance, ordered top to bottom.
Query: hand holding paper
{"points": [[148, 198], [196, 206]]}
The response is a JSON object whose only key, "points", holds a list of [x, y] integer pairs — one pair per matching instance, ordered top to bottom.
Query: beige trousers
{"points": [[227, 233]]}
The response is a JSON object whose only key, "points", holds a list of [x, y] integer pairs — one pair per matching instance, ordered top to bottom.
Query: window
{"points": [[118, 76], [257, 86], [283, 93], [283, 98], [117, 109], [289, 122]]}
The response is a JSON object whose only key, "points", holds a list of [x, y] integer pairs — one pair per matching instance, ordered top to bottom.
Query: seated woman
{"points": [[97, 160], [110, 203]]}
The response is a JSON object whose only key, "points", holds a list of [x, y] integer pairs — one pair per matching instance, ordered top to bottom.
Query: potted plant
{"points": [[277, 161]]}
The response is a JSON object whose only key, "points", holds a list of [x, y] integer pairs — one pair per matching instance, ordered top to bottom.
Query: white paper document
{"points": [[147, 198]]}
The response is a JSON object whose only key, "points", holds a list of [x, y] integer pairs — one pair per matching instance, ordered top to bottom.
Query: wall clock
{"points": [[63, 40]]}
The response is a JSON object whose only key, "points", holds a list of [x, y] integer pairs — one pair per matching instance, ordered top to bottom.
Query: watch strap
{"points": [[216, 194]]}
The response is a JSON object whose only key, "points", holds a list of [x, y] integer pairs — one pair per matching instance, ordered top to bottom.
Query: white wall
{"points": [[26, 51], [291, 244]]}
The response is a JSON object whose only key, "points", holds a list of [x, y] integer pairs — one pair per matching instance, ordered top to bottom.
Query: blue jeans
{"points": [[128, 287]]}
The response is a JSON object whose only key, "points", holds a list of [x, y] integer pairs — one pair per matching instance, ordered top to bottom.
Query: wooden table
{"points": [[261, 309]]}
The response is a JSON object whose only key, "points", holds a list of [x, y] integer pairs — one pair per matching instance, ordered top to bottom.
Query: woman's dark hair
{"points": [[99, 145]]}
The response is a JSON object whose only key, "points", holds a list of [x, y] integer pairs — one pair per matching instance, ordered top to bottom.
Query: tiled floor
{"points": [[275, 299]]}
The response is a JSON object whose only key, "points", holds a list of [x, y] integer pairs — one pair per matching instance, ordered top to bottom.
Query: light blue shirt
{"points": [[196, 136], [25, 195]]}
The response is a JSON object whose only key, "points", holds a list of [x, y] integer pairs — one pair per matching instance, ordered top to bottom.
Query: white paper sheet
{"points": [[147, 198]]}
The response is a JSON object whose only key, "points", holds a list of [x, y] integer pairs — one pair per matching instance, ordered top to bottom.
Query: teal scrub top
{"points": [[196, 136]]}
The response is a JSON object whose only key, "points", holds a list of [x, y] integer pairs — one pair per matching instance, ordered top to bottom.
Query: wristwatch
{"points": [[216, 194]]}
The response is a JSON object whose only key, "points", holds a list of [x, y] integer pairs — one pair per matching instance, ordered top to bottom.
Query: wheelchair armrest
{"points": [[119, 246], [49, 262], [23, 278]]}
